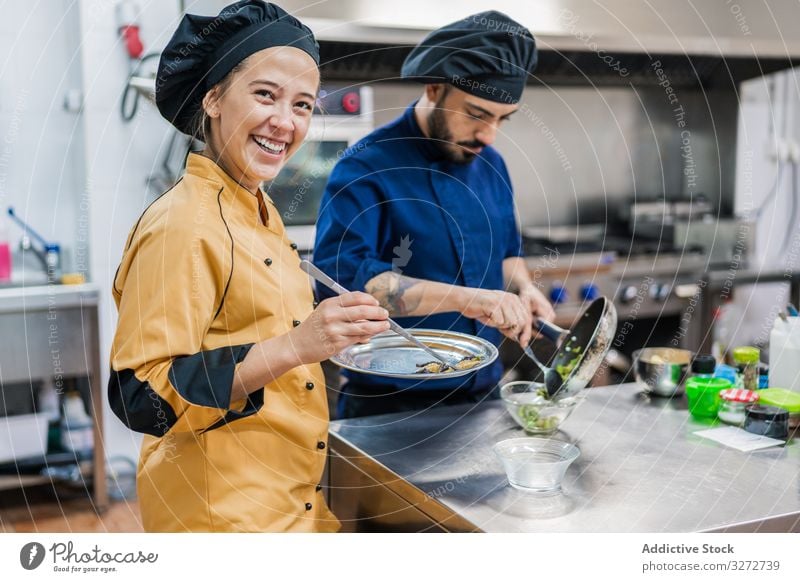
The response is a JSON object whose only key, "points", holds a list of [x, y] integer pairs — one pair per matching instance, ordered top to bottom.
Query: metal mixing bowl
{"points": [[661, 371]]}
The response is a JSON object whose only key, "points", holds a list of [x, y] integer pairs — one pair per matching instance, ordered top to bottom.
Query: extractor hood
{"points": [[707, 43]]}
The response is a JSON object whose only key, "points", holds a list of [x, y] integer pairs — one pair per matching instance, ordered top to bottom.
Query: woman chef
{"points": [[216, 352]]}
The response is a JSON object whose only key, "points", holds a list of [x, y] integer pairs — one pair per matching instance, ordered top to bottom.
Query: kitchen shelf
{"points": [[61, 341], [33, 465]]}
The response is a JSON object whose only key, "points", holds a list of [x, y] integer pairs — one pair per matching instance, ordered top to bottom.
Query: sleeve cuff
{"points": [[367, 270], [206, 378], [138, 406]]}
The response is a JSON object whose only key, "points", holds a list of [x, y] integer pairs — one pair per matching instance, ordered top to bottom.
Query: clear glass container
{"points": [[747, 359], [733, 403], [731, 412], [536, 465]]}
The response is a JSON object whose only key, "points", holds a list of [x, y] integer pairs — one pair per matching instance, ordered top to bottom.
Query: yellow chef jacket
{"points": [[201, 280]]}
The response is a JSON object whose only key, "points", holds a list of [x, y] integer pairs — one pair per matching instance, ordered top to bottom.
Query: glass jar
{"points": [[746, 359], [703, 366], [733, 403], [768, 421]]}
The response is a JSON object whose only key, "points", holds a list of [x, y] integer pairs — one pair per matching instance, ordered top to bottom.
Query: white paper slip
{"points": [[737, 438]]}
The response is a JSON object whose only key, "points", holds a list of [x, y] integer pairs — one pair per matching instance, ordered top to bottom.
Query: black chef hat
{"points": [[206, 48], [487, 54]]}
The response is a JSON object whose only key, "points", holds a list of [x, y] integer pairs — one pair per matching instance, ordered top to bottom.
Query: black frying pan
{"points": [[581, 350]]}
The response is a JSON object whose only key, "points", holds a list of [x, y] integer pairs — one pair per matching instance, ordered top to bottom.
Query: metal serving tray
{"points": [[389, 354]]}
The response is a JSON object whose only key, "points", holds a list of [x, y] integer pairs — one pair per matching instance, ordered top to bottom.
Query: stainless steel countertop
{"points": [[38, 297], [641, 469]]}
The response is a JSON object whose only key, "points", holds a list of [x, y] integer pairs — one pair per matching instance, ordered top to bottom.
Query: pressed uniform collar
{"points": [[426, 146], [204, 167]]}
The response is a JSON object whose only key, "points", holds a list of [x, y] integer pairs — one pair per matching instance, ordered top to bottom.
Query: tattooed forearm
{"points": [[395, 294]]}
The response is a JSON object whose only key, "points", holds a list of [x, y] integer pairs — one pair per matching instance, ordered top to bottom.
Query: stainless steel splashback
{"points": [[576, 154]]}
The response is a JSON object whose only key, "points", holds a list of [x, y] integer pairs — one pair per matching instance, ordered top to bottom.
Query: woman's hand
{"points": [[499, 309], [337, 323]]}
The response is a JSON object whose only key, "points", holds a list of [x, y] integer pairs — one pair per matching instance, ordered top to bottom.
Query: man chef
{"points": [[420, 213]]}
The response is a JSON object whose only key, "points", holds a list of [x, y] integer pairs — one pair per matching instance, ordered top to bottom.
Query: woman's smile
{"points": [[270, 147]]}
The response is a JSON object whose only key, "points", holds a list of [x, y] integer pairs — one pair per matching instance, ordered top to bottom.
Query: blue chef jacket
{"points": [[393, 202]]}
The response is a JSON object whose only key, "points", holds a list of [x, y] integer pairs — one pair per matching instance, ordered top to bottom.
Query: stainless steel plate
{"points": [[390, 355]]}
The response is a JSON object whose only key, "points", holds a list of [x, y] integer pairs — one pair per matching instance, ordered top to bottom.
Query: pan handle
{"points": [[550, 331]]}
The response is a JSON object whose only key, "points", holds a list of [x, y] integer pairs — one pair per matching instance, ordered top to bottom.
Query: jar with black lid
{"points": [[703, 366], [769, 421]]}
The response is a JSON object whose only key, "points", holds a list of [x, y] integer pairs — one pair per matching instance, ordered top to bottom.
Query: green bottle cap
{"points": [[746, 355]]}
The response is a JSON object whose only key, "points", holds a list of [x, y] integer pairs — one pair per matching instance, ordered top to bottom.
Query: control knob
{"points": [[589, 292], [558, 294], [628, 294]]}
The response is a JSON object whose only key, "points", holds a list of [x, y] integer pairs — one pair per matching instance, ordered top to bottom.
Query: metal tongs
{"points": [[324, 279]]}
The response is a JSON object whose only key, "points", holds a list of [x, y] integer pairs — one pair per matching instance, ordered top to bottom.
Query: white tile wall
{"points": [[40, 143]]}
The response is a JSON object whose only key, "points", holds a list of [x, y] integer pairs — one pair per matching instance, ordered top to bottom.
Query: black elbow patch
{"points": [[206, 378], [138, 406]]}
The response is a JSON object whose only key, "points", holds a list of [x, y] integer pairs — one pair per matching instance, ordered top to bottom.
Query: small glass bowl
{"points": [[528, 404], [536, 465]]}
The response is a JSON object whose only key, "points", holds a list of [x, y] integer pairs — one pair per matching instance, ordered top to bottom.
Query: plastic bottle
{"points": [[5, 253], [727, 318], [784, 354], [703, 366], [726, 372], [48, 401], [48, 404], [76, 426]]}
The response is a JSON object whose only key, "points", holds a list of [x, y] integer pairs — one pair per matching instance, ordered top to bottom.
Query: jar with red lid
{"points": [[733, 403]]}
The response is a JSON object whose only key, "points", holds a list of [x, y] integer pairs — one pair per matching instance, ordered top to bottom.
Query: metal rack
{"points": [[47, 320]]}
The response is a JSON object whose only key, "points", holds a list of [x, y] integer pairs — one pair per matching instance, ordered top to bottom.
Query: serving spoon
{"points": [[552, 379]]}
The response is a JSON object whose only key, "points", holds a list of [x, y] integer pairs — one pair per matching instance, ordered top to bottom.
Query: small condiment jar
{"points": [[746, 359], [703, 366], [782, 398], [732, 405], [768, 421]]}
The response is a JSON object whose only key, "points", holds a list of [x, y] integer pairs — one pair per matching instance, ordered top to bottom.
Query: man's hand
{"points": [[535, 301], [499, 309]]}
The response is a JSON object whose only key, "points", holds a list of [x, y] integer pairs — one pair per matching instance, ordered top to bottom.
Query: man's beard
{"points": [[441, 136]]}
